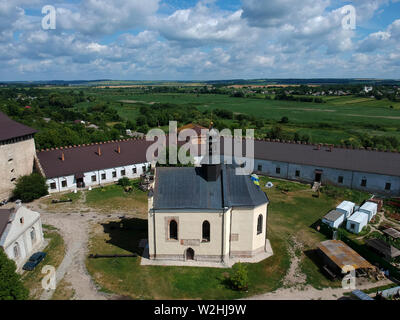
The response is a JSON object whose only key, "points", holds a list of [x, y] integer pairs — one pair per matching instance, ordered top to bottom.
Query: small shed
{"points": [[347, 207], [369, 208], [334, 218], [357, 222], [393, 233], [382, 248], [336, 255]]}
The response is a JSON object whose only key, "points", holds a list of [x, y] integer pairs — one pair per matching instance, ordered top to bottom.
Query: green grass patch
{"points": [[114, 197], [55, 251]]}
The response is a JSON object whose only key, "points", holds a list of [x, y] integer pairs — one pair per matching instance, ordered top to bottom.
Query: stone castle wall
{"points": [[16, 160]]}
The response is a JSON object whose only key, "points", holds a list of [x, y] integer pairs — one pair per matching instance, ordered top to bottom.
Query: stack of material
{"points": [[395, 234]]}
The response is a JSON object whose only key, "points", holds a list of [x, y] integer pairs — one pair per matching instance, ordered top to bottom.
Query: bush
{"points": [[284, 120], [124, 182], [29, 188], [239, 278], [11, 287]]}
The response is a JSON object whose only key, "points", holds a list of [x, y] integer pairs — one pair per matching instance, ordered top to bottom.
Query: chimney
{"points": [[119, 149], [98, 151], [62, 156], [211, 172]]}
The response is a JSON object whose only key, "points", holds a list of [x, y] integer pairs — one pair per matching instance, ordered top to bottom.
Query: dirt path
{"points": [[74, 228], [294, 277], [310, 293]]}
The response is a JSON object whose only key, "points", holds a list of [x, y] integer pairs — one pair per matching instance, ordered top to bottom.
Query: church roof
{"points": [[10, 129], [187, 188]]}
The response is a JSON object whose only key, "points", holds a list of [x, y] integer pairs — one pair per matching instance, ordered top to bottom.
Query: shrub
{"points": [[284, 120], [124, 182], [29, 188], [239, 277], [11, 287]]}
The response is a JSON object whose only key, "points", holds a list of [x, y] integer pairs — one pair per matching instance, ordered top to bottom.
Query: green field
{"points": [[338, 119], [292, 212]]}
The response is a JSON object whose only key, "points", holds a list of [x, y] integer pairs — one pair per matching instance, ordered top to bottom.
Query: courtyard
{"points": [[115, 223]]}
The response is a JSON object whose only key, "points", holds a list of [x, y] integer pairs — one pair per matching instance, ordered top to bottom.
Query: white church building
{"points": [[207, 214], [21, 233]]}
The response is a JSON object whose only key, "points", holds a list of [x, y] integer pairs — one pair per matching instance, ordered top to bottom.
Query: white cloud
{"points": [[105, 17], [202, 24], [286, 38]]}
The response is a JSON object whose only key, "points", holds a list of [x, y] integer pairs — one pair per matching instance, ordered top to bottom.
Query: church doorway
{"points": [[190, 254]]}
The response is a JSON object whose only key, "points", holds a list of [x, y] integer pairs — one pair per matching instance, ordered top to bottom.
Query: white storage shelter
{"points": [[347, 207], [370, 208], [334, 218], [357, 222]]}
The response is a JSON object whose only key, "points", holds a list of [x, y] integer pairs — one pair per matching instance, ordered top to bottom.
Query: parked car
{"points": [[34, 260]]}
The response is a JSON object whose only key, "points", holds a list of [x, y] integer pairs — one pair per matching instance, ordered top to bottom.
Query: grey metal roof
{"points": [[379, 162], [186, 188], [241, 191], [333, 215], [4, 218], [361, 295]]}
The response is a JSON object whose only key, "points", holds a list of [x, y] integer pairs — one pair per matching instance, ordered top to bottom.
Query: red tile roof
{"points": [[86, 158]]}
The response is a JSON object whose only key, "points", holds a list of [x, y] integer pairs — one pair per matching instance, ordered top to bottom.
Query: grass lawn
{"points": [[114, 198], [105, 199], [292, 211], [55, 254]]}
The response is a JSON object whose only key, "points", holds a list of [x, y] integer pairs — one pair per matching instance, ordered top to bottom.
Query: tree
{"points": [[284, 120], [30, 187], [239, 277], [11, 287]]}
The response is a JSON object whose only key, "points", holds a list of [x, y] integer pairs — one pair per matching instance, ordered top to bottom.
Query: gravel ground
{"points": [[74, 228]]}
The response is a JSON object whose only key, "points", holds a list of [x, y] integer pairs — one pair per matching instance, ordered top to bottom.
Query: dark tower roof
{"points": [[10, 129]]}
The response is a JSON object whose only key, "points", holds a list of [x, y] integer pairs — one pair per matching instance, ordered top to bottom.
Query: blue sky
{"points": [[199, 39]]}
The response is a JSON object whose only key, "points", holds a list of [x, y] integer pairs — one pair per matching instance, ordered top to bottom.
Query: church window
{"points": [[259, 224], [173, 230], [206, 232]]}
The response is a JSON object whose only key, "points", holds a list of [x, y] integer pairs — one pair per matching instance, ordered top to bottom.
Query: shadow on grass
{"points": [[126, 234], [317, 260]]}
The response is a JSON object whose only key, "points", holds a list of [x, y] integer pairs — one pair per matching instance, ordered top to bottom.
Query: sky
{"points": [[199, 39]]}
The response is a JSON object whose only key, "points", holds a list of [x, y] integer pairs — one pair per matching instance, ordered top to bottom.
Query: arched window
{"points": [[259, 224], [173, 230], [206, 231], [33, 235], [16, 251]]}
